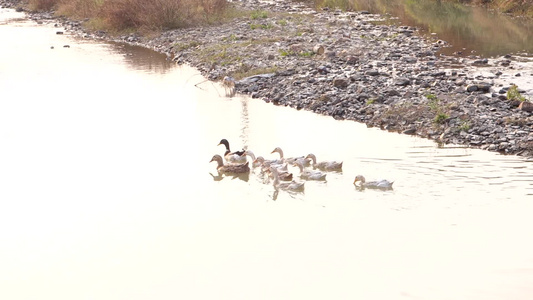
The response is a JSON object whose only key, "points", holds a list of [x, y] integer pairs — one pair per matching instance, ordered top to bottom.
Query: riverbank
{"points": [[350, 66]]}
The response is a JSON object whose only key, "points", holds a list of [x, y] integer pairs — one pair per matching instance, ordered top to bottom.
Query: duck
{"points": [[237, 157], [256, 161], [306, 162], [265, 164], [325, 165], [230, 168], [282, 168], [309, 174], [381, 184], [293, 186]]}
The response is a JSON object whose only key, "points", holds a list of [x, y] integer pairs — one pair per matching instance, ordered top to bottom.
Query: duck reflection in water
{"points": [[220, 176]]}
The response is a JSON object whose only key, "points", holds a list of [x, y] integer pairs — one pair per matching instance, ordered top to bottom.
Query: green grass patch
{"points": [[259, 14], [282, 22], [254, 26], [230, 38], [185, 46], [285, 52], [306, 53], [514, 94], [433, 102], [440, 118], [464, 126]]}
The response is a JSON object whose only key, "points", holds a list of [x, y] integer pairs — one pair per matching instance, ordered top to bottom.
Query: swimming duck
{"points": [[237, 157], [261, 161], [305, 161], [265, 165], [325, 165], [230, 168], [309, 174], [382, 184], [288, 186]]}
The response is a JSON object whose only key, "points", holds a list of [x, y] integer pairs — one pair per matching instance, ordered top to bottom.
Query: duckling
{"points": [[237, 157], [306, 162], [325, 165], [242, 168], [309, 174], [382, 184], [288, 186]]}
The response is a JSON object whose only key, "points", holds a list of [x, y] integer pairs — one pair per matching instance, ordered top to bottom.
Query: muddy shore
{"points": [[351, 66]]}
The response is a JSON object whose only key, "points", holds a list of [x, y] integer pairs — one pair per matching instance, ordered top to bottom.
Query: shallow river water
{"points": [[106, 192]]}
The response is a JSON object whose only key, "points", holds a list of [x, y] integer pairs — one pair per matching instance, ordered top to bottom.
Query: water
{"points": [[468, 29], [106, 192]]}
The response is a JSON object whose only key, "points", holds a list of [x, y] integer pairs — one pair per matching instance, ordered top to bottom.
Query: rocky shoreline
{"points": [[350, 66]]}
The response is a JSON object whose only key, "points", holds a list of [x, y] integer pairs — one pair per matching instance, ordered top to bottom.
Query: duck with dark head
{"points": [[237, 157]]}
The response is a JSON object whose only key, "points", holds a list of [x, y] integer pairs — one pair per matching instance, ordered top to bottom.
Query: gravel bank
{"points": [[351, 66]]}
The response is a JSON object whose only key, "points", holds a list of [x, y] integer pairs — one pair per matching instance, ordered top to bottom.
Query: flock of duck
{"points": [[277, 169]]}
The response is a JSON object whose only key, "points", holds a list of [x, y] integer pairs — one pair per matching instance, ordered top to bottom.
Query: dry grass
{"points": [[42, 4], [121, 15]]}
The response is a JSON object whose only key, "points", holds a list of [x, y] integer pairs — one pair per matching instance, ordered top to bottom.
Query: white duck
{"points": [[261, 161], [305, 161], [265, 165], [325, 165], [309, 174], [381, 184], [288, 186]]}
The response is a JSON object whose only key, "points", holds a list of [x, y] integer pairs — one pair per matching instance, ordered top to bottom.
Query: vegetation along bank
{"points": [[345, 65]]}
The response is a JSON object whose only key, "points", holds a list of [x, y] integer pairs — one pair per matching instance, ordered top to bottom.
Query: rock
{"points": [[296, 48], [318, 49], [330, 53], [409, 59], [352, 60], [323, 70], [372, 72], [402, 81], [460, 81], [340, 82], [483, 87], [472, 88], [392, 93], [526, 106], [409, 131]]}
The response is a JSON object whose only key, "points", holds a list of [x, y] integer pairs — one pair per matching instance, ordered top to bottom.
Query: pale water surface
{"points": [[106, 192]]}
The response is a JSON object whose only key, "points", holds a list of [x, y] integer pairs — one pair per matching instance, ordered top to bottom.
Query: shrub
{"points": [[42, 4], [259, 14], [119, 15], [514, 94], [440, 118], [465, 126]]}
